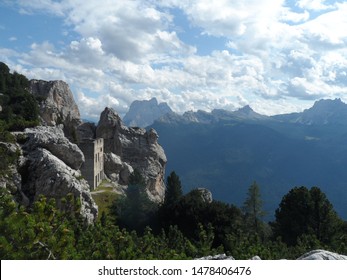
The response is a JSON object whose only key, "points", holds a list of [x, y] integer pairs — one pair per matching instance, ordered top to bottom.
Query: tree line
{"points": [[305, 220], [184, 226]]}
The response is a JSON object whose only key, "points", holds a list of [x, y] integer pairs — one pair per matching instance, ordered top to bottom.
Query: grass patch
{"points": [[104, 196]]}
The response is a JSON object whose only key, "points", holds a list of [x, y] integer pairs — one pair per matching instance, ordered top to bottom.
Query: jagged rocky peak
{"points": [[57, 105], [246, 110], [325, 111], [143, 113], [199, 116], [130, 148]]}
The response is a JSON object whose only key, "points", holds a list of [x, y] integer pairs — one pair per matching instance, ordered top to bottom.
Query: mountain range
{"points": [[226, 151]]}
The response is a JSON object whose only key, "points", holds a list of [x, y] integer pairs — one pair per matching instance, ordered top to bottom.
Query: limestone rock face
{"points": [[57, 104], [144, 113], [86, 131], [52, 139], [136, 147], [50, 168], [116, 169], [51, 177], [322, 255]]}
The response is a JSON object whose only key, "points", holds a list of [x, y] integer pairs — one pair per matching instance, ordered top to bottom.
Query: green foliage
{"points": [[19, 107], [7, 158], [173, 191], [104, 197], [253, 209], [135, 211], [306, 212], [190, 213], [41, 232], [44, 232]]}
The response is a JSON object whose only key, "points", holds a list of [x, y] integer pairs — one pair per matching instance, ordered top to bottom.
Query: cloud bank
{"points": [[278, 56]]}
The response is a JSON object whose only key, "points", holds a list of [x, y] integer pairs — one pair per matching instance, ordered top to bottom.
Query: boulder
{"points": [[52, 139], [136, 147], [49, 167], [45, 174], [206, 195], [312, 255], [322, 255], [217, 257]]}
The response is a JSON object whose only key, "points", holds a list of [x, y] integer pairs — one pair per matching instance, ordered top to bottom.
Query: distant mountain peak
{"points": [[327, 104], [245, 109], [325, 111], [247, 112], [143, 113]]}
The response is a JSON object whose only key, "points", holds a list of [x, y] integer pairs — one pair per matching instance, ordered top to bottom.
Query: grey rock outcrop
{"points": [[57, 105], [144, 113], [86, 131], [52, 139], [136, 147], [50, 168], [116, 169], [206, 195], [312, 255], [322, 255], [217, 257]]}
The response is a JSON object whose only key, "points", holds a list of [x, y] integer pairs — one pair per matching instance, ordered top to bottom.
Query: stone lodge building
{"points": [[93, 167]]}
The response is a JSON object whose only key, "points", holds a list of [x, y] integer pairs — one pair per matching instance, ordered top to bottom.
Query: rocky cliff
{"points": [[57, 105], [127, 149], [48, 162], [49, 166]]}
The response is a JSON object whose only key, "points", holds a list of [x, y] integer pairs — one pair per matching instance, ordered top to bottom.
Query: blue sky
{"points": [[276, 56]]}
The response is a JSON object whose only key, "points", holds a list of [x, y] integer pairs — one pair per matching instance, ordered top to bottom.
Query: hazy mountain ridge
{"points": [[226, 151]]}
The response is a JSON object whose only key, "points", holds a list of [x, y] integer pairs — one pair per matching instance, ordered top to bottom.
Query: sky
{"points": [[276, 56]]}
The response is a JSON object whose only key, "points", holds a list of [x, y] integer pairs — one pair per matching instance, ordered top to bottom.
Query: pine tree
{"points": [[173, 190], [253, 208], [135, 211], [306, 212]]}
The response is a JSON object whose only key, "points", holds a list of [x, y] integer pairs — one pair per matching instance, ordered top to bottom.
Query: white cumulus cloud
{"points": [[277, 55]]}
